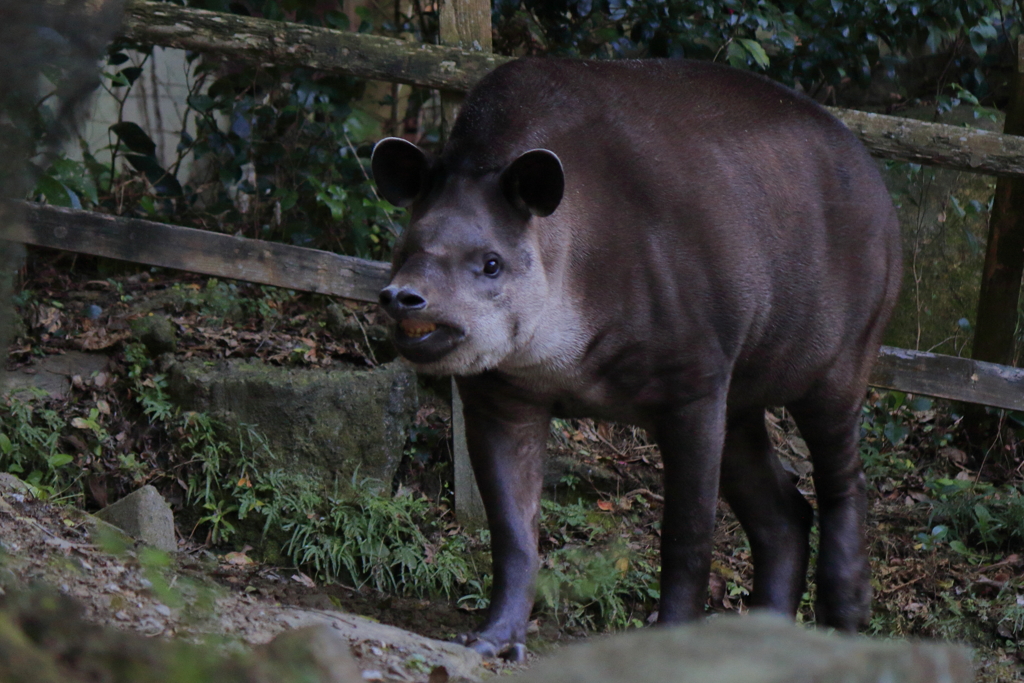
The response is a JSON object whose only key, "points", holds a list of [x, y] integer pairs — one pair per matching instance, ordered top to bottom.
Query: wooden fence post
{"points": [[465, 24], [12, 256], [1004, 261]]}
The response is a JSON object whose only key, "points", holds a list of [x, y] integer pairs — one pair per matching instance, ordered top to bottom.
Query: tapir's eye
{"points": [[492, 265]]}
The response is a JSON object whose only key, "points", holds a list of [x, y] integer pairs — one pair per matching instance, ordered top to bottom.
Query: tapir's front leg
{"points": [[506, 439], [691, 439]]}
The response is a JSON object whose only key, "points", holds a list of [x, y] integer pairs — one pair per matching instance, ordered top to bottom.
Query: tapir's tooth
{"points": [[413, 328]]}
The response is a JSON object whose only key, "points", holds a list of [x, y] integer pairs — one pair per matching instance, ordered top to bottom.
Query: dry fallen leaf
{"points": [[47, 318], [95, 340], [238, 559], [299, 577], [716, 584]]}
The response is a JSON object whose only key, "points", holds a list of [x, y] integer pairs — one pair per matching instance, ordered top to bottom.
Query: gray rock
{"points": [[156, 332], [53, 374], [333, 425], [12, 487], [145, 516], [397, 646], [318, 647], [753, 649]]}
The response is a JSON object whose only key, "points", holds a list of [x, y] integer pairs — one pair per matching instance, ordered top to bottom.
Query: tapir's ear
{"points": [[400, 169], [534, 182]]}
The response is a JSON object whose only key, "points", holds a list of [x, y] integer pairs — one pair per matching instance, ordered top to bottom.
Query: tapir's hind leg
{"points": [[829, 421], [775, 516]]}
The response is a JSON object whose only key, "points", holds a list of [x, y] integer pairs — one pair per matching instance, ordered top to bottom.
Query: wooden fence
{"points": [[456, 70], [311, 270]]}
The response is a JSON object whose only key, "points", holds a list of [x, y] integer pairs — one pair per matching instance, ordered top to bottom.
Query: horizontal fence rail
{"points": [[288, 44], [456, 70], [200, 251], [311, 270], [958, 379]]}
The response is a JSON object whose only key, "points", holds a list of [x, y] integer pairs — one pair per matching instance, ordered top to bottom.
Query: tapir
{"points": [[672, 244]]}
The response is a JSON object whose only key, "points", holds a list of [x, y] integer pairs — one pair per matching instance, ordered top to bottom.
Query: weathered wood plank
{"points": [[463, 23], [289, 44], [457, 70], [936, 144], [199, 251], [959, 379]]}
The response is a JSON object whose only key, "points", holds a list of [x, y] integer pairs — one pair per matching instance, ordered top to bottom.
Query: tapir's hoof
{"points": [[512, 652], [515, 652]]}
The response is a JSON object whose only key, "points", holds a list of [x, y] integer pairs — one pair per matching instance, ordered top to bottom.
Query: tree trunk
{"points": [[1004, 261]]}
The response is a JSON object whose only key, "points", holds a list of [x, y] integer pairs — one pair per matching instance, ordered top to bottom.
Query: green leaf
{"points": [[338, 20], [756, 51], [736, 55], [131, 73], [117, 80], [201, 103], [362, 126], [134, 138], [75, 175], [164, 184], [53, 191], [333, 196], [288, 198], [920, 404], [895, 433], [5, 444], [58, 460], [982, 513], [959, 547]]}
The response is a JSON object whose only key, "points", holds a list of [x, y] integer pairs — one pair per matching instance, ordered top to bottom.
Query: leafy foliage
{"points": [[814, 44], [274, 154], [287, 156], [30, 434], [978, 513], [396, 545], [591, 578]]}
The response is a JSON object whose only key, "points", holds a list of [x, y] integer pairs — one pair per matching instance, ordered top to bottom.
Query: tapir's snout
{"points": [[399, 302], [416, 337]]}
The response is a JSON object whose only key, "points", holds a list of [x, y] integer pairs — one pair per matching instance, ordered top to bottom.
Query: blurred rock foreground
{"points": [[44, 638], [760, 648]]}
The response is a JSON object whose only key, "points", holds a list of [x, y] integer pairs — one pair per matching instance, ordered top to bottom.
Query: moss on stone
{"points": [[334, 425]]}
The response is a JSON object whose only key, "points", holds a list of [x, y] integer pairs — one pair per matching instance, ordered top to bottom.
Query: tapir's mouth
{"points": [[422, 341]]}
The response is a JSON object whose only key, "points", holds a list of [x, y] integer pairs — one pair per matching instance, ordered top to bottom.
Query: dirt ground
{"points": [[922, 588], [225, 599]]}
